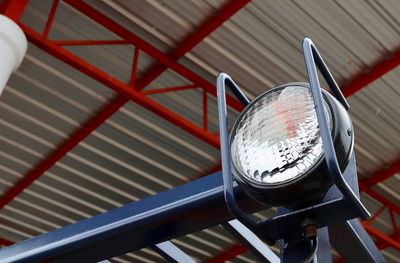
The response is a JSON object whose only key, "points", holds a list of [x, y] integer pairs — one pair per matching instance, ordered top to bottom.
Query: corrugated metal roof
{"points": [[136, 153]]}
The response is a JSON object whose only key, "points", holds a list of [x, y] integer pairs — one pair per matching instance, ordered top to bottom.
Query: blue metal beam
{"points": [[173, 213], [353, 243], [324, 246]]}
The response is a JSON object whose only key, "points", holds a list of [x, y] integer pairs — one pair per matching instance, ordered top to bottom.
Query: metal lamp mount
{"points": [[341, 202]]}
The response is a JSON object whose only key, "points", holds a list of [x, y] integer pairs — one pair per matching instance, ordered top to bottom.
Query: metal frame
{"points": [[14, 10], [179, 211]]}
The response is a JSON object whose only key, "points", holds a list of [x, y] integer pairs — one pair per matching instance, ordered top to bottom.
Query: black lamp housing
{"points": [[310, 187]]}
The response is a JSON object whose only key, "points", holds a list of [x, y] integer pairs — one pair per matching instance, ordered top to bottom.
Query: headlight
{"points": [[276, 150]]}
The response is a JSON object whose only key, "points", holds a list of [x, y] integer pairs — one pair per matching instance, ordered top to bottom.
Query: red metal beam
{"points": [[13, 9], [224, 14], [50, 18], [375, 73], [123, 89], [169, 89], [65, 147], [381, 175], [365, 186], [383, 200], [380, 236], [5, 242], [381, 244], [228, 254]]}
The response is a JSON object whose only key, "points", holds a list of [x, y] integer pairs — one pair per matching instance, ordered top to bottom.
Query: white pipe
{"points": [[13, 45]]}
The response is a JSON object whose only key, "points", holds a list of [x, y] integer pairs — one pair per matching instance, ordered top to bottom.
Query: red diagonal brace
{"points": [[13, 9], [208, 27], [375, 73], [65, 147], [381, 175], [389, 204], [381, 236], [5, 242], [382, 244], [228, 254]]}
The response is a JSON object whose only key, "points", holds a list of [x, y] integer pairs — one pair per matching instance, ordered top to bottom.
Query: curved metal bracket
{"points": [[313, 59], [224, 79]]}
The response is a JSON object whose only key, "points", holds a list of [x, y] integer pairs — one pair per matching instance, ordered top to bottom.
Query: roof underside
{"points": [[136, 152]]}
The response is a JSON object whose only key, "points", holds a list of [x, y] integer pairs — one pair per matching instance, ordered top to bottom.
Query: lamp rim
{"points": [[299, 177]]}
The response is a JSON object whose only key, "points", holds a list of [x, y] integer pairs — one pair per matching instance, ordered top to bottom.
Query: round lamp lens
{"points": [[276, 138]]}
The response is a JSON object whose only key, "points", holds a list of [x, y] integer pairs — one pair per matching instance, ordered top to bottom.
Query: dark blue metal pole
{"points": [[173, 213], [353, 243], [324, 254]]}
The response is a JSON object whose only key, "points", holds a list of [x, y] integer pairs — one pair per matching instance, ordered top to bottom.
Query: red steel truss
{"points": [[124, 90], [134, 91], [365, 186], [383, 240]]}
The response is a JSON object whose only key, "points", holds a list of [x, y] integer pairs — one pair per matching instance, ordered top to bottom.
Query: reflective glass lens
{"points": [[277, 138]]}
